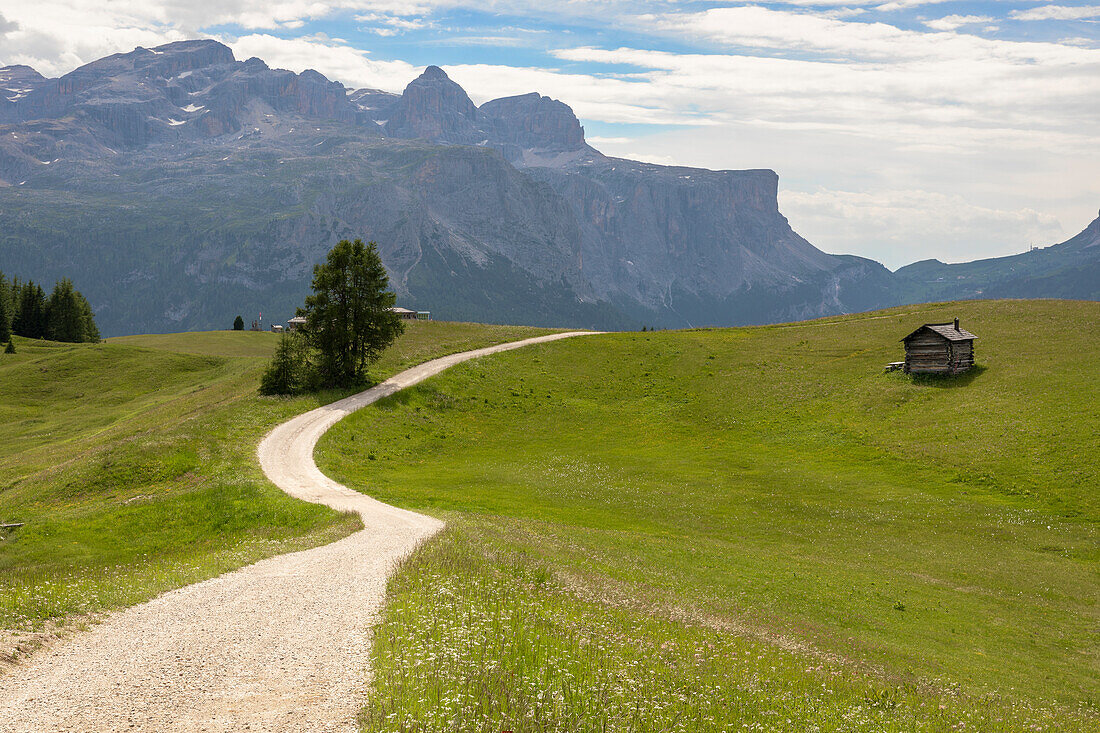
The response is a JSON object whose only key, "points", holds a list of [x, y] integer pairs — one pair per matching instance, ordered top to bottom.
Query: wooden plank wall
{"points": [[929, 353]]}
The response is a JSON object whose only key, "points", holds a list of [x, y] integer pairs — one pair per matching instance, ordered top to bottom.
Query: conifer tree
{"points": [[14, 289], [5, 310], [65, 313], [348, 316], [31, 319], [87, 319], [238, 324], [10, 348], [288, 371]]}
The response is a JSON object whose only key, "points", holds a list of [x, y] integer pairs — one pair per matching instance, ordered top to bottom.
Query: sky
{"points": [[901, 130]]}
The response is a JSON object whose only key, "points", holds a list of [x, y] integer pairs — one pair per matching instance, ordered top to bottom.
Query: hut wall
{"points": [[927, 352], [962, 355]]}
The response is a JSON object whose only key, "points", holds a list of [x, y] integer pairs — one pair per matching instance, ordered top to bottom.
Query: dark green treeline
{"points": [[63, 315]]}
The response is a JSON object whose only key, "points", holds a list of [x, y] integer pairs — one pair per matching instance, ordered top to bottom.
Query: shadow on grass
{"points": [[948, 381]]}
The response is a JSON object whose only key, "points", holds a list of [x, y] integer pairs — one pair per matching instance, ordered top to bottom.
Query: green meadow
{"points": [[131, 465], [747, 529]]}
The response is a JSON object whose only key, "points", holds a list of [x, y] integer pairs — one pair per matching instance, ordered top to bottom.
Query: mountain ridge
{"points": [[209, 186]]}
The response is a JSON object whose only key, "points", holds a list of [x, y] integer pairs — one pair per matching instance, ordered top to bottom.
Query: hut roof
{"points": [[399, 309], [947, 330]]}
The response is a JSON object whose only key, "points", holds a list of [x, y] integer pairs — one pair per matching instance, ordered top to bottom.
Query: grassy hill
{"points": [[132, 465], [747, 528]]}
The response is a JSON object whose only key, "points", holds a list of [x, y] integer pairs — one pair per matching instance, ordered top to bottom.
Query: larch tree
{"points": [[348, 318]]}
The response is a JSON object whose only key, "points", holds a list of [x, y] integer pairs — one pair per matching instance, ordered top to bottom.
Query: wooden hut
{"points": [[939, 348]]}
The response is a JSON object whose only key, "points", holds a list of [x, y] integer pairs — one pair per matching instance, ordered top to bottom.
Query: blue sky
{"points": [[901, 129]]}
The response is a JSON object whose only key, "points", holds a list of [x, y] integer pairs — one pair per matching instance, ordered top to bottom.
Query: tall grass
{"points": [[477, 637]]}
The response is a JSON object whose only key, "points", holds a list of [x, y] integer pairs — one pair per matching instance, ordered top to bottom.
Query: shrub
{"points": [[290, 370]]}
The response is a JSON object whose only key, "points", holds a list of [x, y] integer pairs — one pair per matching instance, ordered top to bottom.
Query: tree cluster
{"points": [[26, 310], [348, 324]]}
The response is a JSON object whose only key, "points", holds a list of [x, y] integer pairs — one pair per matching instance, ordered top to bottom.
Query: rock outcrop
{"points": [[18, 81], [188, 90], [434, 108], [532, 121], [200, 186]]}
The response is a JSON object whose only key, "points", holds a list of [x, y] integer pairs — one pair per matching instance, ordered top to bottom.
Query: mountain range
{"points": [[179, 187]]}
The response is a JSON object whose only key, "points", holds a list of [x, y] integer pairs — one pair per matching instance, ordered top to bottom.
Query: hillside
{"points": [[203, 186], [1067, 270], [132, 466], [722, 526]]}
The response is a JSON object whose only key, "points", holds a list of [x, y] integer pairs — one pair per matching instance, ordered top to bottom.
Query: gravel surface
{"points": [[282, 645]]}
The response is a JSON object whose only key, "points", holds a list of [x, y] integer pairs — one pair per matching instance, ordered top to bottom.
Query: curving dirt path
{"points": [[282, 645]]}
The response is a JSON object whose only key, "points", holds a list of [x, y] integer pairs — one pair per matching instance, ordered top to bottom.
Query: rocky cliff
{"points": [[434, 108], [180, 186]]}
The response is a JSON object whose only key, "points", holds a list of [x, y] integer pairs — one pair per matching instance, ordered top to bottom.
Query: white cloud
{"points": [[823, 3], [879, 4], [906, 4], [1057, 12], [840, 13], [951, 22], [390, 25], [6, 26], [795, 32], [56, 36], [490, 41], [335, 59], [604, 99], [879, 99], [647, 156], [899, 227]]}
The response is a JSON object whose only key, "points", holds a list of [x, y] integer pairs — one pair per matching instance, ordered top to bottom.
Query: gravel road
{"points": [[282, 645]]}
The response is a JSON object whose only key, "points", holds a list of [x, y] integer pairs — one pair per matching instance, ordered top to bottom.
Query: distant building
{"points": [[408, 315], [295, 323], [276, 328], [939, 348]]}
